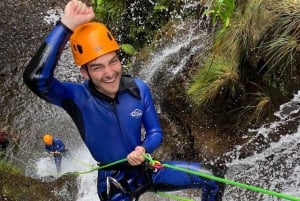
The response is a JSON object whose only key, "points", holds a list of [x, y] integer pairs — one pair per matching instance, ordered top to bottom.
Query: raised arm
{"points": [[38, 75]]}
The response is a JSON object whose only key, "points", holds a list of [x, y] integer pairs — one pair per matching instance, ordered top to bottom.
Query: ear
{"points": [[84, 72]]}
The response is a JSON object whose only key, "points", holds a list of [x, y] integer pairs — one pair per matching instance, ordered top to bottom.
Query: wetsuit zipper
{"points": [[113, 107]]}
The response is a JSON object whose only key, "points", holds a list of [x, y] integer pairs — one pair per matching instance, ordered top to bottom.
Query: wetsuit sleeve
{"points": [[38, 75], [154, 134], [59, 145], [47, 149]]}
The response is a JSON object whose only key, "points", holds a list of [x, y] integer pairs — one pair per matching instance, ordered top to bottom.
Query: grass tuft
{"points": [[217, 79]]}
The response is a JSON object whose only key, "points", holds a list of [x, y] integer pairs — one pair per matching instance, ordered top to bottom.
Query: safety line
{"points": [[80, 161], [157, 164], [96, 168], [201, 174], [223, 180], [234, 183]]}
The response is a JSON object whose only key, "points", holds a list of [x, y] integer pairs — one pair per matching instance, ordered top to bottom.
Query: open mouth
{"points": [[110, 80]]}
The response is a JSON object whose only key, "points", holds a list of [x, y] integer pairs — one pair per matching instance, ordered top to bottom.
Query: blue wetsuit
{"points": [[111, 128], [57, 146]]}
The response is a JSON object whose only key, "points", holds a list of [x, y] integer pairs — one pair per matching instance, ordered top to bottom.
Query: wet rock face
{"points": [[22, 29], [17, 187]]}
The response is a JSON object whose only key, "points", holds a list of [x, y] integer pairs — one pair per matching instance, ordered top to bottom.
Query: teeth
{"points": [[109, 81]]}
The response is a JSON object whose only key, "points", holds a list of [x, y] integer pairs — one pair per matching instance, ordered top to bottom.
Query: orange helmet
{"points": [[90, 41], [48, 139]]}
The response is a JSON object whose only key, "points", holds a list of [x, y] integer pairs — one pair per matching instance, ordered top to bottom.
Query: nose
{"points": [[108, 71]]}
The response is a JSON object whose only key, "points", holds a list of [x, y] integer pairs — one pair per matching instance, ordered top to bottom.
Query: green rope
{"points": [[80, 161], [122, 161], [96, 168], [201, 174], [234, 183]]}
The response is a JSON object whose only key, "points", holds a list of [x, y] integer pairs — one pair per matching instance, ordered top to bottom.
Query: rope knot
{"points": [[153, 163]]}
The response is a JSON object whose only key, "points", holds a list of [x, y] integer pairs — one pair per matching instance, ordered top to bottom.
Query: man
{"points": [[109, 109], [56, 147]]}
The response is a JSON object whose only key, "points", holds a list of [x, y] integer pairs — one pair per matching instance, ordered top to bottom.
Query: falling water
{"points": [[172, 56], [81, 163], [276, 168]]}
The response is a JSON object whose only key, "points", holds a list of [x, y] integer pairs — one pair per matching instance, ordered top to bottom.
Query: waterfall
{"points": [[170, 57]]}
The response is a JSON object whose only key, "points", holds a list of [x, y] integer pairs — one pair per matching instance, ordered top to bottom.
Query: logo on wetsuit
{"points": [[136, 113]]}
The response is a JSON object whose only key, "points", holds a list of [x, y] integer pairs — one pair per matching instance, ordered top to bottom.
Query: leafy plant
{"points": [[160, 7], [222, 9], [106, 11], [133, 22], [128, 49]]}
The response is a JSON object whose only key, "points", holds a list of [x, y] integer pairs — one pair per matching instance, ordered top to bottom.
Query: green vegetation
{"points": [[222, 10], [132, 22], [136, 22], [260, 41], [128, 49], [281, 49], [218, 79], [263, 106], [5, 167], [14, 185]]}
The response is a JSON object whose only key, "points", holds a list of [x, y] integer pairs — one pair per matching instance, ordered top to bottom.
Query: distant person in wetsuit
{"points": [[55, 147]]}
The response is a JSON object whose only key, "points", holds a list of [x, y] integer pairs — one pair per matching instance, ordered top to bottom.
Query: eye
{"points": [[114, 61], [97, 68]]}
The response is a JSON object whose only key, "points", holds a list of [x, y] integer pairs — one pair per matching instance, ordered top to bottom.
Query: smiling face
{"points": [[105, 72]]}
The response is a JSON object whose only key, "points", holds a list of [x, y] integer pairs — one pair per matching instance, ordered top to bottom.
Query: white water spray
{"points": [[81, 161], [277, 168]]}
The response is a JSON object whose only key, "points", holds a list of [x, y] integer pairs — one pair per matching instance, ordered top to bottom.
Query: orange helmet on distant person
{"points": [[90, 41], [48, 139]]}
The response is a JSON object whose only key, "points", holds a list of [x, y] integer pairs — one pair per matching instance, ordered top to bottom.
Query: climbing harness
{"points": [[111, 180], [132, 181]]}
